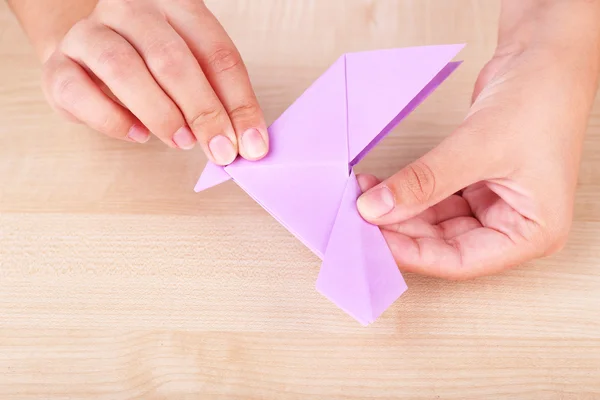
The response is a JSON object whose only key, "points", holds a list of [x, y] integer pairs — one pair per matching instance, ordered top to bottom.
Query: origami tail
{"points": [[212, 175], [358, 273]]}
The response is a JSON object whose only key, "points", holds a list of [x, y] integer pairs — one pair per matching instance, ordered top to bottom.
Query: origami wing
{"points": [[383, 88], [306, 182]]}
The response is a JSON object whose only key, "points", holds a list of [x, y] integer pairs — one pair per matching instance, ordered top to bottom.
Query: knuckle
{"points": [[81, 28], [79, 33], [166, 58], [223, 59], [116, 61], [64, 89], [245, 111], [209, 116], [168, 123], [109, 125], [418, 181], [459, 272]]}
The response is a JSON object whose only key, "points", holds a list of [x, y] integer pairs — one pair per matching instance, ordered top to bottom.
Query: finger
{"points": [[116, 63], [174, 67], [226, 72], [70, 89], [456, 163], [366, 181], [481, 199], [452, 207], [495, 212], [457, 226], [415, 228], [418, 228], [478, 252]]}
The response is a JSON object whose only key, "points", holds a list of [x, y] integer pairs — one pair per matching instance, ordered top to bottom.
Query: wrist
{"points": [[567, 23], [568, 31]]}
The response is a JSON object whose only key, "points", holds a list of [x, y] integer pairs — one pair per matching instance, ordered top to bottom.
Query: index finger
{"points": [[478, 252]]}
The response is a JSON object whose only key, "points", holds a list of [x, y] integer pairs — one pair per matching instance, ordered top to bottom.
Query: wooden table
{"points": [[117, 281]]}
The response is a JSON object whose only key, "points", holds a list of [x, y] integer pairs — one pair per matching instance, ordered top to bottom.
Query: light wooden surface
{"points": [[118, 282]]}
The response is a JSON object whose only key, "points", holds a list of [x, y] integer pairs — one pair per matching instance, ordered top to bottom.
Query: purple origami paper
{"points": [[306, 181]]}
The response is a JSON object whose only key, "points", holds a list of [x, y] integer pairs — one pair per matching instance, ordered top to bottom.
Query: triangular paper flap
{"points": [[381, 83], [430, 88], [313, 130], [212, 175], [305, 198], [358, 272]]}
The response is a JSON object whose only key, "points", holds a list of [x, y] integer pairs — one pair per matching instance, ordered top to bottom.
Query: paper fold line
{"points": [[359, 273]]}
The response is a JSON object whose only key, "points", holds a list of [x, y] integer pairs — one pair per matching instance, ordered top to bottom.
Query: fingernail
{"points": [[138, 134], [184, 138], [253, 143], [222, 150], [376, 203]]}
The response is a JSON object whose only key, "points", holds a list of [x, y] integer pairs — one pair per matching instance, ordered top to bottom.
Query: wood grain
{"points": [[118, 282]]}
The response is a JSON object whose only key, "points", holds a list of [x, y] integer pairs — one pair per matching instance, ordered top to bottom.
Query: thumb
{"points": [[456, 163]]}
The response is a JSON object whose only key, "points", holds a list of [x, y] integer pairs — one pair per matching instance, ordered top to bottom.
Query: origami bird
{"points": [[307, 181]]}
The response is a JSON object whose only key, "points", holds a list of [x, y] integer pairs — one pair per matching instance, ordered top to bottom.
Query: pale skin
{"points": [[130, 68], [496, 193]]}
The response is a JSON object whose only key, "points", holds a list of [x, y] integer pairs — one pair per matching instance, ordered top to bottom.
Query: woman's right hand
{"points": [[161, 67]]}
